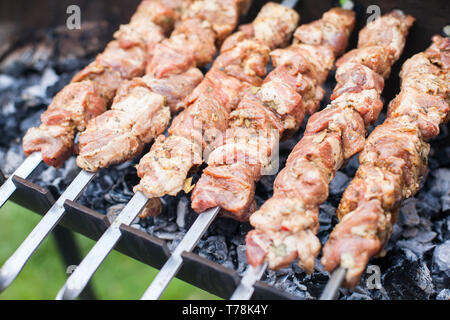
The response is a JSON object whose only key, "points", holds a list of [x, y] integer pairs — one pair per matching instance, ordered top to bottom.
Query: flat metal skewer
{"points": [[25, 169], [17, 261], [173, 265], [84, 272], [246, 288], [331, 290]]}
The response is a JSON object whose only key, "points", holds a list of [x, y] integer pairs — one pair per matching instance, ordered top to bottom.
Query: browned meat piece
{"points": [[222, 15], [149, 25], [274, 25], [333, 29], [246, 31], [387, 31], [198, 36], [377, 58], [123, 59], [168, 59], [246, 61], [241, 64], [175, 88], [292, 90], [70, 110], [430, 110], [139, 112], [251, 113], [136, 117], [346, 122], [332, 136], [55, 143], [393, 162], [164, 169], [228, 185], [289, 233], [354, 241]]}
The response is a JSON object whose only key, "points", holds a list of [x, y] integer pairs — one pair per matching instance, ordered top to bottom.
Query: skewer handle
{"points": [[25, 169], [17, 261], [173, 265], [84, 272], [331, 290]]}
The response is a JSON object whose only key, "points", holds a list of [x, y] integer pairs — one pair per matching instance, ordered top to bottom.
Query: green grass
{"points": [[119, 277]]}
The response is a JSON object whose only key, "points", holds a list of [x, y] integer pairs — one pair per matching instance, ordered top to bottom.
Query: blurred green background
{"points": [[119, 277]]}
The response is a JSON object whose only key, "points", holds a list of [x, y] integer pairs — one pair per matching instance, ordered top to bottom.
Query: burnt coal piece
{"points": [[416, 262]]}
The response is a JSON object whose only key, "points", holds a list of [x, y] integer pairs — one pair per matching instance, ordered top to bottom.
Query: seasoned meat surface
{"points": [[123, 59], [240, 66], [277, 106], [392, 163], [286, 224]]}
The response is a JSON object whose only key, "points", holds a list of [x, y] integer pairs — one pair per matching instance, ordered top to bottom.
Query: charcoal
{"points": [[18, 61], [6, 82], [32, 121], [443, 156], [14, 157], [352, 166], [441, 182], [266, 183], [338, 186], [445, 200], [428, 205], [182, 210], [114, 211], [408, 213], [326, 215], [226, 225], [139, 227], [170, 227], [410, 232], [396, 234], [165, 235], [425, 236], [176, 241], [415, 246], [215, 248], [242, 258], [441, 258], [228, 264], [410, 280], [444, 294], [358, 296]]}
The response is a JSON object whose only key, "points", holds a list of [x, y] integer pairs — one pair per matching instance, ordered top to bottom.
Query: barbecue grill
{"points": [[211, 267]]}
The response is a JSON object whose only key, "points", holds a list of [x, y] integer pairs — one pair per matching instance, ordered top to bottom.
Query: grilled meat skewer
{"points": [[241, 63], [240, 66], [91, 90], [292, 90], [143, 106], [393, 162], [286, 224]]}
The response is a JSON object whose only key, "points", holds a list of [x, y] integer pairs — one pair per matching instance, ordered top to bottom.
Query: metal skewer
{"points": [[25, 169], [17, 261], [173, 265], [84, 272], [246, 288], [331, 290]]}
